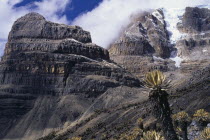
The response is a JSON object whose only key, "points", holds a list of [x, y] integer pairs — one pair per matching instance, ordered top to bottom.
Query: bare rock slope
{"points": [[143, 46], [50, 75], [56, 84]]}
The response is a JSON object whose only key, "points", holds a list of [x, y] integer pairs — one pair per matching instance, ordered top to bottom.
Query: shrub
{"points": [[201, 116], [181, 117], [181, 121], [140, 122], [137, 132], [205, 134], [133, 135], [152, 135], [75, 138]]}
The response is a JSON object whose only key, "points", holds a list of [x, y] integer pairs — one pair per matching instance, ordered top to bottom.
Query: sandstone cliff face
{"points": [[50, 74]]}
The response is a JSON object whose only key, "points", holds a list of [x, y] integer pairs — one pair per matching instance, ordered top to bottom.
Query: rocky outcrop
{"points": [[195, 20], [33, 25], [196, 26], [33, 33], [145, 35], [144, 44], [135, 51], [139, 65], [50, 74], [56, 83], [190, 92]]}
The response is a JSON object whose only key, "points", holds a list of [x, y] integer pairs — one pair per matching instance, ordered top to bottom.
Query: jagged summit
{"points": [[31, 16], [34, 25], [33, 33], [145, 35], [155, 36]]}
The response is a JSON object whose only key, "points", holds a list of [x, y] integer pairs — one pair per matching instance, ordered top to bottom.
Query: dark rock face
{"points": [[195, 20], [33, 25], [33, 33], [145, 35], [195, 45], [134, 50], [139, 65], [50, 74], [54, 79]]}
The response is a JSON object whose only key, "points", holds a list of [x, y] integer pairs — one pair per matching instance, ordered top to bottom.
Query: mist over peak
{"points": [[106, 21]]}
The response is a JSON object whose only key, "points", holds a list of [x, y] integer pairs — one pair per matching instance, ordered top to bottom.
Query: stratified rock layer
{"points": [[33, 25], [138, 51], [50, 74], [69, 85]]}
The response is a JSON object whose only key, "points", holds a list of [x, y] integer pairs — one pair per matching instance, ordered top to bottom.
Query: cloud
{"points": [[51, 9], [107, 20], [104, 22]]}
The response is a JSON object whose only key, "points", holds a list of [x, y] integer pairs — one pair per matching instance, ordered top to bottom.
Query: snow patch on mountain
{"points": [[159, 16], [172, 18], [158, 58], [177, 60]]}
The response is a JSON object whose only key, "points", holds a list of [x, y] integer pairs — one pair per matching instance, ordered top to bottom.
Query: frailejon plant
{"points": [[158, 97], [202, 117], [182, 120], [140, 123], [135, 134], [205, 134], [152, 135], [75, 138]]}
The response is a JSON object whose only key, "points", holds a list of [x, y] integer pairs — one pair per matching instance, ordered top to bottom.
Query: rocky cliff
{"points": [[195, 24], [147, 43], [143, 46], [50, 74], [56, 84]]}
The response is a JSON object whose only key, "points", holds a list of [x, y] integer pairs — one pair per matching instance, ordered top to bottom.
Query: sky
{"points": [[103, 18]]}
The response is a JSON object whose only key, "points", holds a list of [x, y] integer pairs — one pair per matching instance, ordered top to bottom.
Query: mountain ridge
{"points": [[57, 83]]}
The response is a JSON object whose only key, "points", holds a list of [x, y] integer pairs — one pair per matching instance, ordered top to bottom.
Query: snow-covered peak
{"points": [[158, 15], [172, 18]]}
